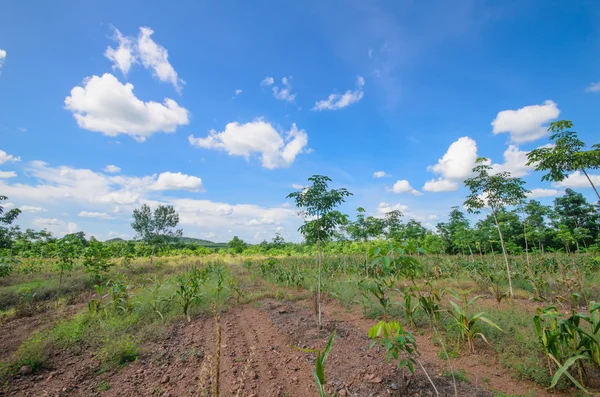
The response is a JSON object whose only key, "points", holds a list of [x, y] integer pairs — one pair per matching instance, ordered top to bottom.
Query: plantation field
{"points": [[129, 334]]}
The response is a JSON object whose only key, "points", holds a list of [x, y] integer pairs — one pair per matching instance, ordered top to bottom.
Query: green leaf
{"points": [[563, 371]]}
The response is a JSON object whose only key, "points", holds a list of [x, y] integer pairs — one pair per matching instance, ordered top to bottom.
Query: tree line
{"points": [[513, 225]]}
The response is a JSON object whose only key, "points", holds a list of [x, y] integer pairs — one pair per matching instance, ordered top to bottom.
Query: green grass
{"points": [[114, 336], [460, 375], [103, 386]]}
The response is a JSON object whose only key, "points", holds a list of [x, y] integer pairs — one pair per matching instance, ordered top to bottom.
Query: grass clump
{"points": [[119, 351]]}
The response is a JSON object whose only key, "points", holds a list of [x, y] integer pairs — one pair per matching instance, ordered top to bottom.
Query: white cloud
{"points": [[143, 49], [123, 56], [156, 57], [2, 58], [268, 81], [593, 87], [238, 92], [284, 93], [339, 101], [105, 105], [526, 124], [257, 137], [5, 157], [458, 161], [515, 162], [454, 167], [113, 169], [7, 174], [379, 174], [578, 180], [177, 181], [440, 185], [83, 186], [297, 186], [403, 186], [536, 193], [98, 195], [383, 208], [32, 209], [91, 214], [433, 217], [243, 219], [262, 221], [45, 222], [56, 226], [72, 227], [113, 234], [208, 235]]}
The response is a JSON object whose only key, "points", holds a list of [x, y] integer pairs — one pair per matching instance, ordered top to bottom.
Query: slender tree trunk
{"points": [[591, 183], [526, 245], [471, 251], [151, 255], [367, 260], [510, 288], [319, 323]]}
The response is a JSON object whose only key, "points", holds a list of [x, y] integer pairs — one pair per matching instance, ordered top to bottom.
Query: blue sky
{"points": [[220, 108]]}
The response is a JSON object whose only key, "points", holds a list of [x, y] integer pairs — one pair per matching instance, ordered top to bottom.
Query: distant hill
{"points": [[205, 243]]}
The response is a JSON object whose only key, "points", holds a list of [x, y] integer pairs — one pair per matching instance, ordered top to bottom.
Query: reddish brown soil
{"points": [[14, 332], [257, 359], [477, 367]]}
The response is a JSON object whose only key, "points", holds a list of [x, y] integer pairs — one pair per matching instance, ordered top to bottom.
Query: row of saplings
{"points": [[568, 343]]}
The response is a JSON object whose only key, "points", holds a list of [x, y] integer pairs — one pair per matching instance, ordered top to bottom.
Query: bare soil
{"points": [[258, 359]]}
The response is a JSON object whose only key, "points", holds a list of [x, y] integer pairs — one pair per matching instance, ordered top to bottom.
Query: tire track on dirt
{"points": [[257, 358]]}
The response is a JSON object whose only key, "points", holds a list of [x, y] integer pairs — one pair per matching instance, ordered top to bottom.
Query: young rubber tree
{"points": [[566, 155], [496, 192], [318, 206], [6, 218], [156, 227], [236, 245]]}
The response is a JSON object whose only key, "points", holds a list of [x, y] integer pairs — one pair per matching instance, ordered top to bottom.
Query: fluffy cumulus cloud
{"points": [[145, 50], [2, 58], [593, 87], [339, 101], [103, 104], [527, 123], [257, 137], [6, 158], [515, 162], [454, 167], [112, 169], [7, 174], [379, 174], [578, 180], [177, 181], [440, 185], [403, 186], [538, 193], [92, 214]]}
